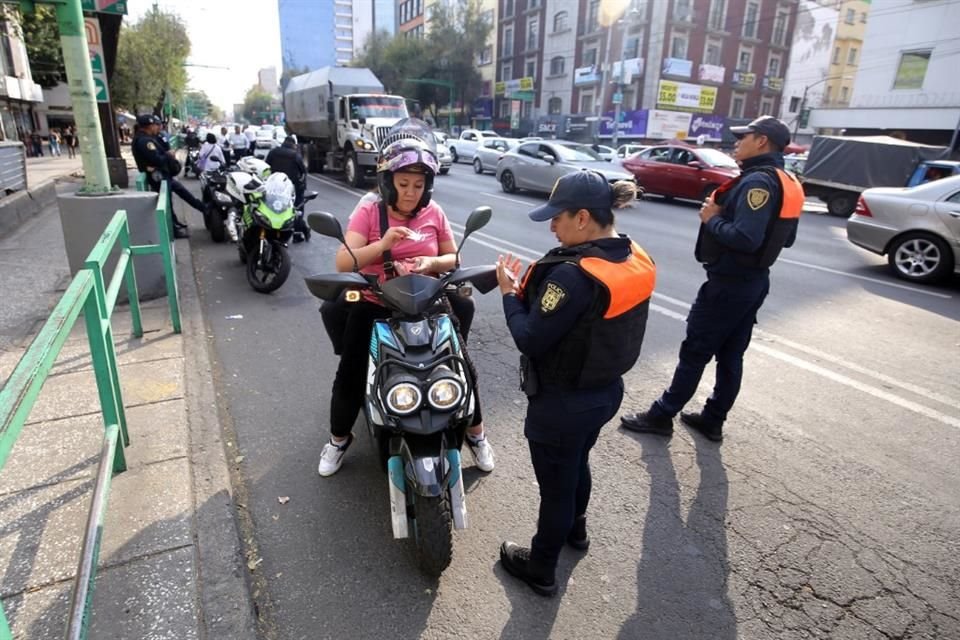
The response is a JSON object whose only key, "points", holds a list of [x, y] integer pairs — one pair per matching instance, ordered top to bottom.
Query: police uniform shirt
{"points": [[148, 152], [747, 209]]}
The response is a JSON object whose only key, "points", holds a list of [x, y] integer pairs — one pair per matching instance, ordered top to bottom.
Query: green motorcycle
{"points": [[265, 229]]}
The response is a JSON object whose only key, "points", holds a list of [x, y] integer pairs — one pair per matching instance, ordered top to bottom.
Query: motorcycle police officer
{"points": [[154, 158], [745, 224], [578, 319]]}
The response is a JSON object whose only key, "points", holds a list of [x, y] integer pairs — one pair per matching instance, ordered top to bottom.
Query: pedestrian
{"points": [[69, 134], [251, 136], [36, 141], [224, 141], [54, 142], [239, 145], [211, 155], [287, 159], [157, 160], [745, 225], [403, 230], [578, 319]]}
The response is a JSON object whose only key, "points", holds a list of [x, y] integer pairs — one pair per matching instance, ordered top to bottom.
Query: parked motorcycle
{"points": [[191, 165], [265, 228], [419, 398]]}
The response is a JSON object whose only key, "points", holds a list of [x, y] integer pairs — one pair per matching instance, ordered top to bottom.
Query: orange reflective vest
{"points": [[779, 228], [606, 342]]}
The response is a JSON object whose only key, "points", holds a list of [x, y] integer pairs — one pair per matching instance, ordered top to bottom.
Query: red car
{"points": [[675, 171]]}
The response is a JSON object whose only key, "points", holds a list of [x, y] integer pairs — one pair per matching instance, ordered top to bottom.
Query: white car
{"points": [[268, 137], [466, 145], [627, 150], [605, 152], [444, 157]]}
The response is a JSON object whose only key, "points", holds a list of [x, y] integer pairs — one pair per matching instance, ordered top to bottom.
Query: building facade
{"points": [[316, 34], [677, 68], [907, 84], [19, 94]]}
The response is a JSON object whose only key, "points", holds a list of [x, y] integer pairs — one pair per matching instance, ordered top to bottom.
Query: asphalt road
{"points": [[830, 511]]}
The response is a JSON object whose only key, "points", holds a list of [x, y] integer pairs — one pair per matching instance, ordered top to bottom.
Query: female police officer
{"points": [[578, 319]]}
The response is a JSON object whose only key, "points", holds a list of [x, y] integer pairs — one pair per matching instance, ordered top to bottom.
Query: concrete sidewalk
{"points": [[170, 564]]}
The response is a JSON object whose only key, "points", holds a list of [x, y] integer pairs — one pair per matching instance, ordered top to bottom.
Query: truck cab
{"points": [[931, 170]]}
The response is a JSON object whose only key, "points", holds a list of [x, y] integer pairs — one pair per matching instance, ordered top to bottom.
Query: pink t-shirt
{"points": [[431, 223]]}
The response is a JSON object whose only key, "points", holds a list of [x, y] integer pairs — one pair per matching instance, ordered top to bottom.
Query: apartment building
{"points": [[677, 68], [20, 96]]}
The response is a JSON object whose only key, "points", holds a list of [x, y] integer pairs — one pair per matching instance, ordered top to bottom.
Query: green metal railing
{"points": [[89, 294]]}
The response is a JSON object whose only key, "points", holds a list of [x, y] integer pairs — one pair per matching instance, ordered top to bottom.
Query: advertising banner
{"points": [[677, 67], [99, 68], [632, 68], [712, 73], [586, 75], [686, 96], [632, 124], [667, 125], [708, 126]]}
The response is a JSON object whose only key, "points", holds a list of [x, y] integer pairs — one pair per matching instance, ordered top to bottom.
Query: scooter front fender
{"points": [[428, 475]]}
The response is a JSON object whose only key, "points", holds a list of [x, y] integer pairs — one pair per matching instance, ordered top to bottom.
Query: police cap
{"points": [[147, 119], [776, 131], [583, 189]]}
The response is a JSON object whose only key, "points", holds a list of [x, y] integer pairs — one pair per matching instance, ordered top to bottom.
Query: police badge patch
{"points": [[151, 146], [756, 198], [553, 297]]}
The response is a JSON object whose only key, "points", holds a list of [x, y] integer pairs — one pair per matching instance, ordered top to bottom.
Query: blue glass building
{"points": [[308, 32]]}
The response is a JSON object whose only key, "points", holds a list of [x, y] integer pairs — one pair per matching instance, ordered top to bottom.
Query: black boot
{"points": [[648, 422], [710, 428], [578, 538], [516, 560]]}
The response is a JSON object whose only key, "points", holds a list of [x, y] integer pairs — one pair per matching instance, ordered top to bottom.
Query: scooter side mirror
{"points": [[477, 219], [326, 225]]}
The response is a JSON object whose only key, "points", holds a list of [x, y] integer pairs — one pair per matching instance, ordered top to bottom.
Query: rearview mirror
{"points": [[546, 157], [477, 219], [326, 225]]}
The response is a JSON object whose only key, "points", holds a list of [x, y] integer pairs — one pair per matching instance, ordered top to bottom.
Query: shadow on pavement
{"points": [[683, 569]]}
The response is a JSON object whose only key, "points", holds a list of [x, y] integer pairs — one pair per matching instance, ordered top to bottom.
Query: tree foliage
{"points": [[41, 35], [456, 36], [150, 62], [256, 103], [198, 105]]}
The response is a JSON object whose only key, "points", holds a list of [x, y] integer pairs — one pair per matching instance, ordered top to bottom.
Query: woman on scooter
{"points": [[419, 240]]}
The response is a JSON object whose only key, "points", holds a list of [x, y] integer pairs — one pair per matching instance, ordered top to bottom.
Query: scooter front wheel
{"points": [[433, 524]]}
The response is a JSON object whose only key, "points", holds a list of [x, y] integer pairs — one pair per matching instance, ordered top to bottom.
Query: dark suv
{"points": [[676, 171]]}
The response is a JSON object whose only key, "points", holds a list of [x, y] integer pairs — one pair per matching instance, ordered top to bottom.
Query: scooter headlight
{"points": [[221, 197], [445, 394], [404, 398]]}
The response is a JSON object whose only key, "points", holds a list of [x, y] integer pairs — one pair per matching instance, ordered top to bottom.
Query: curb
{"points": [[19, 207], [225, 604]]}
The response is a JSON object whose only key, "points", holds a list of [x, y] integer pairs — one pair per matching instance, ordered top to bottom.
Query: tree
{"points": [[41, 35], [150, 62], [256, 103]]}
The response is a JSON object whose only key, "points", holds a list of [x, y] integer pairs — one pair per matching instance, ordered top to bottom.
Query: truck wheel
{"points": [[453, 154], [351, 170], [842, 204], [920, 257]]}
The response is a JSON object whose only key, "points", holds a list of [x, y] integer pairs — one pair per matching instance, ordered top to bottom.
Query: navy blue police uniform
{"points": [[759, 217], [578, 322]]}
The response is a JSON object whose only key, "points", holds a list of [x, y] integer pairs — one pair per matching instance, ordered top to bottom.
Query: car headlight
{"points": [[445, 394], [404, 398]]}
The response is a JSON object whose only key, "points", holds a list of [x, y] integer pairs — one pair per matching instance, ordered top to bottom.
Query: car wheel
{"points": [[453, 154], [477, 165], [507, 182], [842, 204], [920, 257]]}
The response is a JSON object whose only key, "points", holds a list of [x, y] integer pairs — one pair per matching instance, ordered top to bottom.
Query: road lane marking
{"points": [[335, 185], [525, 203], [905, 287], [822, 355], [810, 367]]}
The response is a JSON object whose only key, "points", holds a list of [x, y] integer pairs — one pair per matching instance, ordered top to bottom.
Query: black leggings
{"points": [[350, 381]]}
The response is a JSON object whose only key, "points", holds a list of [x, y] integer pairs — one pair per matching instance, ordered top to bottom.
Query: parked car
{"points": [[268, 137], [466, 145], [627, 150], [605, 152], [487, 155], [444, 157], [538, 165], [675, 171], [917, 228]]}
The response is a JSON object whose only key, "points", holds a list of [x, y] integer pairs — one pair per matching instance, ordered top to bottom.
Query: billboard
{"points": [[686, 96], [632, 124], [667, 125], [708, 126]]}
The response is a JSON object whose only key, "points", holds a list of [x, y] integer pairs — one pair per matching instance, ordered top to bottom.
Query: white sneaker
{"points": [[482, 453], [331, 457]]}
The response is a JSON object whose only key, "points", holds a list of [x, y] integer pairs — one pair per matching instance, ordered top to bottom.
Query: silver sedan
{"points": [[490, 151], [538, 165], [917, 228]]}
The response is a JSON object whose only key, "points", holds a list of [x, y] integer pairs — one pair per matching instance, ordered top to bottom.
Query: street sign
{"points": [[105, 6], [95, 46], [618, 98], [804, 118]]}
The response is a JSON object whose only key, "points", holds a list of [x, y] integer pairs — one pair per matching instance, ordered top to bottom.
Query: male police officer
{"points": [[153, 158], [288, 160], [745, 224]]}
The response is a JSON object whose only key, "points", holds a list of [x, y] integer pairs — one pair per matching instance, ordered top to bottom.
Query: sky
{"points": [[241, 36]]}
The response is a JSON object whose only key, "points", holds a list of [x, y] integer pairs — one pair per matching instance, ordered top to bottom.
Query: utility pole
{"points": [[76, 59], [803, 100]]}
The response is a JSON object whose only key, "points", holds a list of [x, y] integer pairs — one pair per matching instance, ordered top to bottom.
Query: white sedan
{"points": [[917, 228]]}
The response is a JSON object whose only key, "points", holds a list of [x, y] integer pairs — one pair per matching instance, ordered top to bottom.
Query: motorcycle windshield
{"points": [[411, 294]]}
